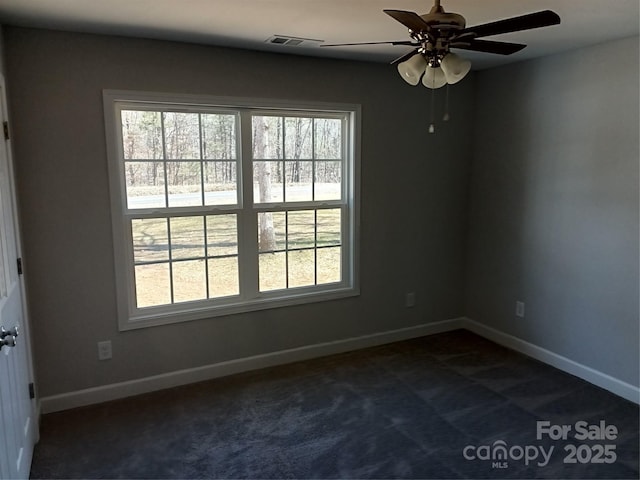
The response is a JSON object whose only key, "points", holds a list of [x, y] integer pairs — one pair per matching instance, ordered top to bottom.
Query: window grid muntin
{"points": [[202, 160], [313, 163], [164, 172], [206, 246], [170, 247]]}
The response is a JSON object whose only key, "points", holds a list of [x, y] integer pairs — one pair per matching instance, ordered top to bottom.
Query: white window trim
{"points": [[131, 318]]}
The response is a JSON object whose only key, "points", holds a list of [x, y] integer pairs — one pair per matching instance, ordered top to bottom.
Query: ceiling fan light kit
{"points": [[452, 68], [455, 68], [412, 69], [434, 77]]}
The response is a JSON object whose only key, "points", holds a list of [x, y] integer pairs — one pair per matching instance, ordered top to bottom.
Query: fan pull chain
{"points": [[445, 117], [432, 126]]}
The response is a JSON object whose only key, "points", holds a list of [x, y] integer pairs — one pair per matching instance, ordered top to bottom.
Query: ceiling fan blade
{"points": [[544, 18], [411, 20], [400, 42], [488, 46], [404, 57]]}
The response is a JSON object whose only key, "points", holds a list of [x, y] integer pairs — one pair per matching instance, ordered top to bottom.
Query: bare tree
{"points": [[298, 129], [266, 234]]}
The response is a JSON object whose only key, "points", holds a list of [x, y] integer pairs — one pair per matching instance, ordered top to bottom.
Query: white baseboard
{"points": [[603, 380], [115, 391]]}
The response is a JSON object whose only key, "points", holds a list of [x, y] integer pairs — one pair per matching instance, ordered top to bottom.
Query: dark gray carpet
{"points": [[404, 410]]}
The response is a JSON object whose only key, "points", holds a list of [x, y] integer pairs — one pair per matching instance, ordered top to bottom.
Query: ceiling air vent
{"points": [[293, 41]]}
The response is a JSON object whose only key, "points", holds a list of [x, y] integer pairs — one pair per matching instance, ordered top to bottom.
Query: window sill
{"points": [[152, 317]]}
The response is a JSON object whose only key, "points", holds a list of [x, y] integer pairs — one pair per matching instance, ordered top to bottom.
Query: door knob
{"points": [[9, 333], [8, 337], [8, 342]]}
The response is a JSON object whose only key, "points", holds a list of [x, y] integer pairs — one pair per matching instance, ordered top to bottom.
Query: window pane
{"points": [[141, 135], [181, 135], [219, 136], [267, 137], [298, 138], [328, 138], [298, 175], [328, 181], [267, 182], [220, 183], [145, 184], [185, 187], [329, 227], [301, 229], [271, 231], [222, 235], [187, 237], [150, 239], [329, 264], [301, 268], [273, 271], [223, 277], [189, 281], [152, 285]]}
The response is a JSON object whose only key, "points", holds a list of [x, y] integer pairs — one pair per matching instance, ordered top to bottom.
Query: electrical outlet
{"points": [[410, 299], [520, 309], [104, 350]]}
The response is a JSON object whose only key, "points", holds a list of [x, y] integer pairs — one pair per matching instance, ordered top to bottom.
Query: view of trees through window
{"points": [[182, 174]]}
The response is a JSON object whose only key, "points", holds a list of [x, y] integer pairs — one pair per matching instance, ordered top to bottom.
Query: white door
{"points": [[16, 407]]}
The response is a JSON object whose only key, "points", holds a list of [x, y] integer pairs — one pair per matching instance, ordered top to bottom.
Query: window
{"points": [[222, 206]]}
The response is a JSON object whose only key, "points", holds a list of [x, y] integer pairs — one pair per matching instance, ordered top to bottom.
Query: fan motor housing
{"points": [[451, 20]]}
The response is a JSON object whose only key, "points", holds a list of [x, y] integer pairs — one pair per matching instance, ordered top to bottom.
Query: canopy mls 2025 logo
{"points": [[592, 450]]}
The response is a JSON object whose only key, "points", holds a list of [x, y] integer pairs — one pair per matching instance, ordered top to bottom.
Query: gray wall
{"points": [[554, 205], [413, 217]]}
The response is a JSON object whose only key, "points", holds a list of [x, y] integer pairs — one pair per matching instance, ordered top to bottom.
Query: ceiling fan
{"points": [[435, 33]]}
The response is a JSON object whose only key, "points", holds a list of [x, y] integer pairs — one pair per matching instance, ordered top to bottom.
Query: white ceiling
{"points": [[249, 23]]}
